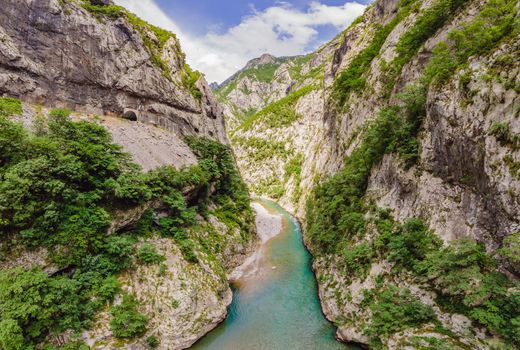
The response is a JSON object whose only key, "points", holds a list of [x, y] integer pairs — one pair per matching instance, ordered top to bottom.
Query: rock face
{"points": [[57, 53], [110, 68], [262, 81], [464, 185], [184, 301]]}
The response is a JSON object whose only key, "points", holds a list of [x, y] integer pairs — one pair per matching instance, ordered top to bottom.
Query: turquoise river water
{"points": [[278, 309]]}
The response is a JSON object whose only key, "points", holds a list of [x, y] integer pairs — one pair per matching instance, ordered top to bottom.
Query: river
{"points": [[275, 304]]}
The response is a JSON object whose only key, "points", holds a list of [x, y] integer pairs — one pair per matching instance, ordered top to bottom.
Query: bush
{"points": [[425, 26], [189, 81], [10, 106], [504, 135], [58, 190], [410, 245], [511, 248], [147, 254], [358, 260], [469, 283], [34, 304], [393, 310], [126, 321], [11, 336], [152, 341]]}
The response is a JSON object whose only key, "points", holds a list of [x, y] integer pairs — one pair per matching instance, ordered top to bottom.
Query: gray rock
{"points": [[58, 54]]}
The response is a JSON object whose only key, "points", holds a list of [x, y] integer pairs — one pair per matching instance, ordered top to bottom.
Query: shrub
{"points": [[425, 26], [263, 73], [189, 81], [10, 106], [504, 135], [58, 190], [410, 245], [511, 247], [147, 254], [358, 259], [34, 304], [394, 309], [126, 321], [11, 336], [152, 341]]}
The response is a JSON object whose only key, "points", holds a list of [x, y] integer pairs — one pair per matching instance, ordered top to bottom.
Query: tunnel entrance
{"points": [[130, 115]]}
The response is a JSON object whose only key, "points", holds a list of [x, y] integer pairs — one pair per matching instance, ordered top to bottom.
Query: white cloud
{"points": [[280, 30]]}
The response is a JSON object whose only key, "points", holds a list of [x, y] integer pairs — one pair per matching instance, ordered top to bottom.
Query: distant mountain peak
{"points": [[260, 61]]}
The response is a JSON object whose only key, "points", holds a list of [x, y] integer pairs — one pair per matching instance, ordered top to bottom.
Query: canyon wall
{"points": [[406, 133]]}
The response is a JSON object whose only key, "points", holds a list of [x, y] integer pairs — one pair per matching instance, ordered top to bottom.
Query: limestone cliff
{"points": [[102, 60], [110, 69], [413, 118]]}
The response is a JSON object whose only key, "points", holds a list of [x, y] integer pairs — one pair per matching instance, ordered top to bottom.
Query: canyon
{"points": [[125, 178]]}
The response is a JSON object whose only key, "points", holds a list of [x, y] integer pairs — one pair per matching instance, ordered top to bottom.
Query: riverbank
{"points": [[277, 307]]}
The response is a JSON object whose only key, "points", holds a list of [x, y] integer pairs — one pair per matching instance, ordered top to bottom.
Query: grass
{"points": [[278, 114]]}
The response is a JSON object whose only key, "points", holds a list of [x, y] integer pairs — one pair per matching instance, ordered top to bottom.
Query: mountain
{"points": [[262, 81], [396, 144], [121, 209]]}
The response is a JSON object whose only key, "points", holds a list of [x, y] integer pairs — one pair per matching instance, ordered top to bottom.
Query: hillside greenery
{"points": [[352, 78], [278, 114], [59, 191], [339, 215]]}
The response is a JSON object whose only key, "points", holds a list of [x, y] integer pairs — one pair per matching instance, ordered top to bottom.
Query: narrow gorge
{"points": [[141, 207]]}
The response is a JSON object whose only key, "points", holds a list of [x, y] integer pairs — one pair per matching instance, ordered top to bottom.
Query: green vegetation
{"points": [[110, 11], [495, 23], [424, 27], [295, 70], [263, 73], [351, 79], [189, 81], [224, 92], [10, 106], [278, 114], [504, 135], [260, 149], [514, 166], [294, 169], [272, 187], [58, 190], [231, 195], [335, 212], [511, 248], [147, 254], [357, 260], [465, 279], [33, 303], [394, 309], [126, 321], [152, 342]]}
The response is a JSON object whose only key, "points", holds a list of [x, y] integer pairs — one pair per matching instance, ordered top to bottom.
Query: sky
{"points": [[220, 37]]}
